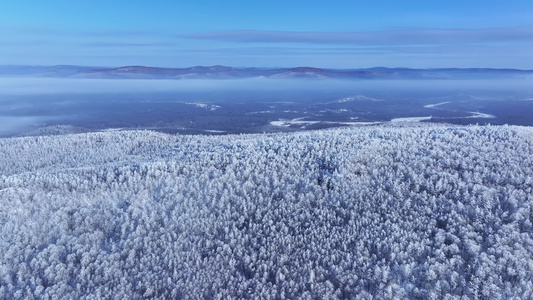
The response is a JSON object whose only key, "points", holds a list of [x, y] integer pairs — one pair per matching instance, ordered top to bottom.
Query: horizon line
{"points": [[258, 67]]}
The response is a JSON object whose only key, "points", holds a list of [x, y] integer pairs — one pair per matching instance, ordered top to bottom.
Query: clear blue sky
{"points": [[273, 33]]}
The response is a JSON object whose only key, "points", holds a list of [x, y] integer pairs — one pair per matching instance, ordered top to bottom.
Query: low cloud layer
{"points": [[387, 37], [47, 86], [12, 125]]}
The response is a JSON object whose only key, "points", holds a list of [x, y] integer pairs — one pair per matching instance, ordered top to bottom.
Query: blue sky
{"points": [[330, 34]]}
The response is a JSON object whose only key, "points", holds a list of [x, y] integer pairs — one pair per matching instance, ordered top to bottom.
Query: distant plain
{"points": [[215, 106]]}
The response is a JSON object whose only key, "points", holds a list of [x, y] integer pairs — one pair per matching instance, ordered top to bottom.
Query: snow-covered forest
{"points": [[418, 212]]}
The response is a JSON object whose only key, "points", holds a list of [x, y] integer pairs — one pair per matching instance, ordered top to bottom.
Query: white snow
{"points": [[356, 98], [436, 104], [211, 107], [261, 112], [477, 114], [411, 119], [300, 122], [281, 123], [112, 129], [214, 131]]}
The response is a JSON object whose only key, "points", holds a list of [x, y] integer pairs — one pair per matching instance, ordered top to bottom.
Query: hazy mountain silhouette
{"points": [[225, 72]]}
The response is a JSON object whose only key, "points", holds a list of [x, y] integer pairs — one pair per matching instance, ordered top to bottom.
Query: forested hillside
{"points": [[394, 212]]}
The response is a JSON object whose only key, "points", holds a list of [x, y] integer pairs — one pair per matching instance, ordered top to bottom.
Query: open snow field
{"points": [[410, 211]]}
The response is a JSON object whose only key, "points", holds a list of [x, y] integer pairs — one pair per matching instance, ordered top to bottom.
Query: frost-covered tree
{"points": [[384, 212]]}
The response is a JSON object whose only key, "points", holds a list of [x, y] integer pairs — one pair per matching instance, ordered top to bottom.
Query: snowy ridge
{"points": [[389, 212]]}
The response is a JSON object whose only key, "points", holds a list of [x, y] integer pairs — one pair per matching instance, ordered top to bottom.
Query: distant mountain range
{"points": [[224, 72]]}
